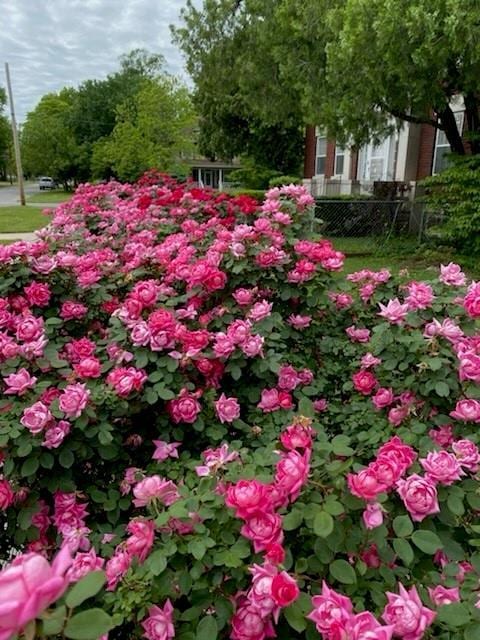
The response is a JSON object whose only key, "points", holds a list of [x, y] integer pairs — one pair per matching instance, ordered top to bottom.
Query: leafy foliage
{"points": [[456, 193]]}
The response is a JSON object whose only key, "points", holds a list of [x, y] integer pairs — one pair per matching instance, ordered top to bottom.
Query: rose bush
{"points": [[247, 442]]}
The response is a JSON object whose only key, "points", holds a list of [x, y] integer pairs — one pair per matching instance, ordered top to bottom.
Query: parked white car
{"points": [[46, 183]]}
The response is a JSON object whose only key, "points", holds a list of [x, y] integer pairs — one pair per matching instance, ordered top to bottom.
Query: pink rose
{"points": [[452, 275], [145, 292], [38, 294], [420, 296], [244, 297], [471, 301], [73, 310], [260, 311], [394, 311], [299, 322], [29, 329], [358, 335], [253, 346], [88, 368], [288, 378], [126, 379], [364, 382], [18, 383], [383, 398], [74, 400], [269, 400], [184, 408], [227, 409], [467, 410], [36, 417], [55, 434], [297, 436], [164, 450], [467, 454], [442, 467], [292, 473], [365, 484], [155, 488], [7, 496], [419, 496], [247, 497], [373, 515], [263, 528], [140, 541], [84, 563], [117, 567], [28, 586], [284, 589], [260, 593], [441, 596], [330, 609], [407, 614], [159, 624], [249, 624], [364, 626]]}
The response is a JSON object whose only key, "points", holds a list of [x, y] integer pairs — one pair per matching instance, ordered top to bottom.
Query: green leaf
{"points": [[442, 389], [305, 407], [340, 446], [66, 458], [29, 467], [455, 504], [292, 520], [323, 524], [403, 526], [426, 541], [197, 548], [404, 550], [157, 562], [342, 571], [88, 586], [455, 614], [295, 617], [53, 621], [88, 625], [207, 629], [472, 632]]}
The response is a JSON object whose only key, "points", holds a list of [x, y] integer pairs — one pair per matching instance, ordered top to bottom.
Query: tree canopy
{"points": [[357, 67], [136, 118]]}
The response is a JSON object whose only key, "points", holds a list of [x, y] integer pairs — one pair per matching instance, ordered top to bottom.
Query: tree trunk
{"points": [[473, 122], [449, 126]]}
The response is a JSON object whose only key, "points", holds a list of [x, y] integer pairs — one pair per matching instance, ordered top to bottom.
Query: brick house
{"points": [[413, 152]]}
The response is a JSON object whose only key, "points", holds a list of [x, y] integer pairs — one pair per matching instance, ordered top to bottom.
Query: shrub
{"points": [[281, 180], [456, 193], [193, 403]]}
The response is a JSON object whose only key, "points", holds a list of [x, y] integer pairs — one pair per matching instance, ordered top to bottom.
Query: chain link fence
{"points": [[376, 220]]}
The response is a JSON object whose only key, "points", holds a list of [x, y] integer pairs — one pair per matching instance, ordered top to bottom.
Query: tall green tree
{"points": [[233, 66], [355, 66], [95, 102], [155, 128], [48, 143]]}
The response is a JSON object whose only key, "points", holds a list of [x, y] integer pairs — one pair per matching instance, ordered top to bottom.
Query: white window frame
{"points": [[459, 118], [320, 136], [340, 152]]}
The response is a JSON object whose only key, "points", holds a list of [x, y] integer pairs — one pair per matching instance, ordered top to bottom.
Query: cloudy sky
{"points": [[53, 43]]}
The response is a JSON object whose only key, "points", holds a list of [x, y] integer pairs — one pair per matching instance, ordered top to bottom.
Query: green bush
{"points": [[281, 180], [456, 193]]}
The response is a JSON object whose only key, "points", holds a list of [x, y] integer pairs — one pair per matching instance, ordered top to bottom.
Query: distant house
{"points": [[408, 155], [212, 173]]}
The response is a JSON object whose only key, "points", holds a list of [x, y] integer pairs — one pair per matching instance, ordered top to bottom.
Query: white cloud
{"points": [[53, 43]]}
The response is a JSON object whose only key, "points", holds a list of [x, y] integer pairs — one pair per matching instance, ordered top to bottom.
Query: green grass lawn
{"points": [[50, 197], [17, 219], [422, 262]]}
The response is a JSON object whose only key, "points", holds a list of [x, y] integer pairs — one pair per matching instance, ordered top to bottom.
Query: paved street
{"points": [[9, 195]]}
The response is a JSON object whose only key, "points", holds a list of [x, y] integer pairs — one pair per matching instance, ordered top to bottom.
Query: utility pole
{"points": [[16, 144]]}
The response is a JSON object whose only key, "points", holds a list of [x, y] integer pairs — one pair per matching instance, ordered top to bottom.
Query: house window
{"points": [[321, 155], [441, 158], [339, 160]]}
